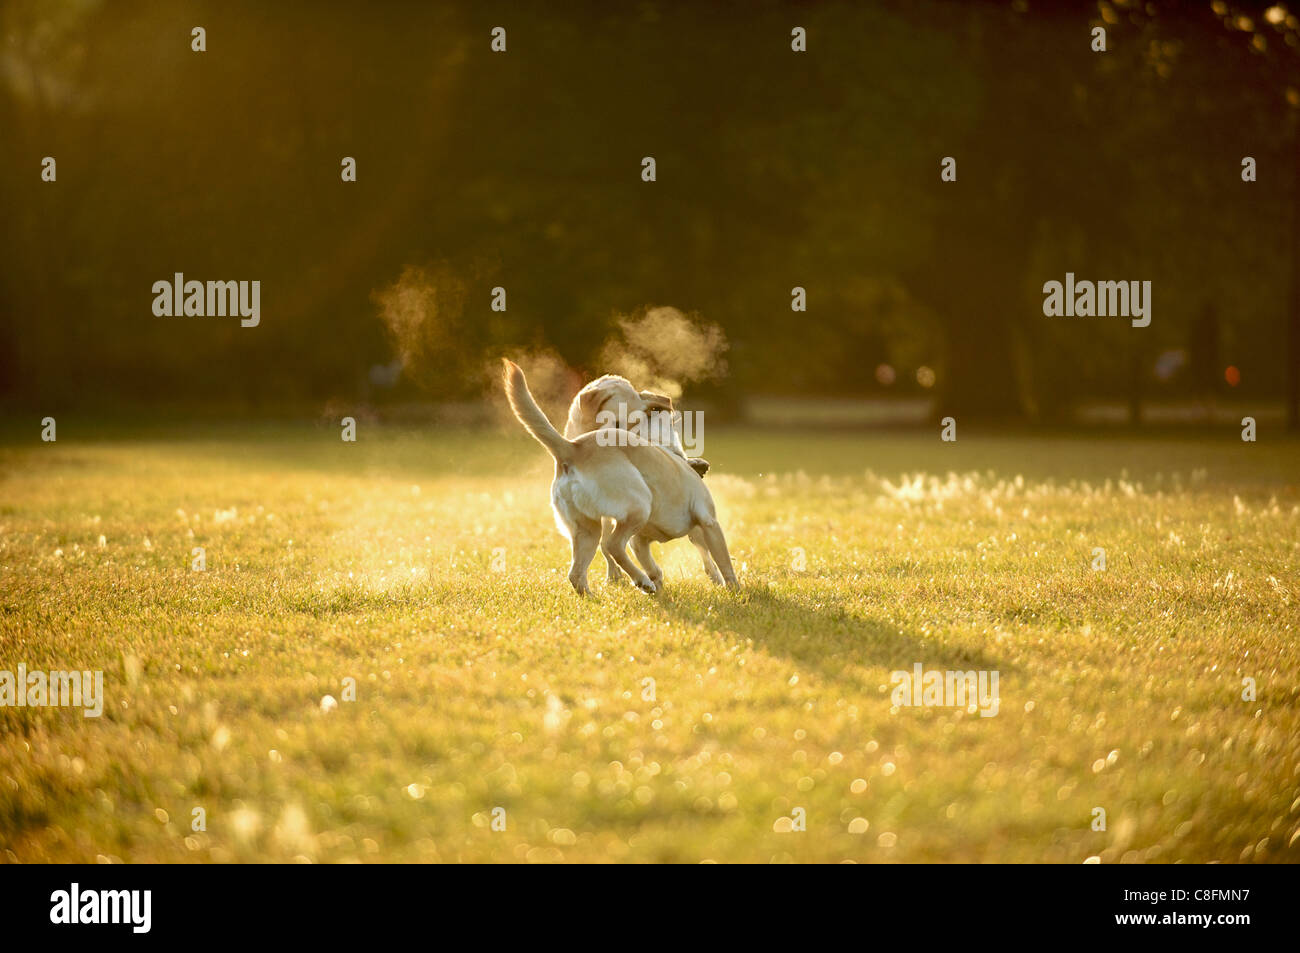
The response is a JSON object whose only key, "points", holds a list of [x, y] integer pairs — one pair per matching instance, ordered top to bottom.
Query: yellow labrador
{"points": [[611, 403], [650, 493]]}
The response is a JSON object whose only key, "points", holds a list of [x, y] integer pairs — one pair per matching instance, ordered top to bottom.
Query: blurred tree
{"points": [[522, 169]]}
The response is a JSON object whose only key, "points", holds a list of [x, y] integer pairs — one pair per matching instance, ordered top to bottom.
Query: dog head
{"points": [[611, 401], [655, 402]]}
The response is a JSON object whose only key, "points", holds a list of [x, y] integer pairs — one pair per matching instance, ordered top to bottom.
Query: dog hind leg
{"points": [[586, 539], [701, 544], [717, 544], [615, 548], [641, 549], [613, 575]]}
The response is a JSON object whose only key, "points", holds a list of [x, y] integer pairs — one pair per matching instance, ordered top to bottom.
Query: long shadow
{"points": [[812, 628], [822, 637]]}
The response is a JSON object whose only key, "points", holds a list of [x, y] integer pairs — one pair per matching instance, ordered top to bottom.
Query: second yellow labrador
{"points": [[611, 403], [650, 493]]}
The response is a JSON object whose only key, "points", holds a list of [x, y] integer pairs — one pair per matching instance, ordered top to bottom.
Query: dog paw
{"points": [[648, 587]]}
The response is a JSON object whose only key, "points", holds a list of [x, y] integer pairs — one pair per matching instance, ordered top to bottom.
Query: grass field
{"points": [[482, 687]]}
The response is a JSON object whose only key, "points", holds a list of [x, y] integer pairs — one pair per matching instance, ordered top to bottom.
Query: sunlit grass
{"points": [[481, 688]]}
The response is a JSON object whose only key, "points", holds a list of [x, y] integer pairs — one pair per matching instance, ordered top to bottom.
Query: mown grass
{"points": [[480, 688]]}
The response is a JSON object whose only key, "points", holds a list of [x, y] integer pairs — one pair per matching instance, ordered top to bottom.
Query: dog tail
{"points": [[531, 416]]}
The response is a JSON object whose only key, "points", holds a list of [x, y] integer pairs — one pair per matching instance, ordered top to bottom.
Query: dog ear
{"points": [[590, 400], [658, 401]]}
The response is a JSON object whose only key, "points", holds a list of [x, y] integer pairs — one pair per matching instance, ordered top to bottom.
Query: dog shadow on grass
{"points": [[821, 634]]}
